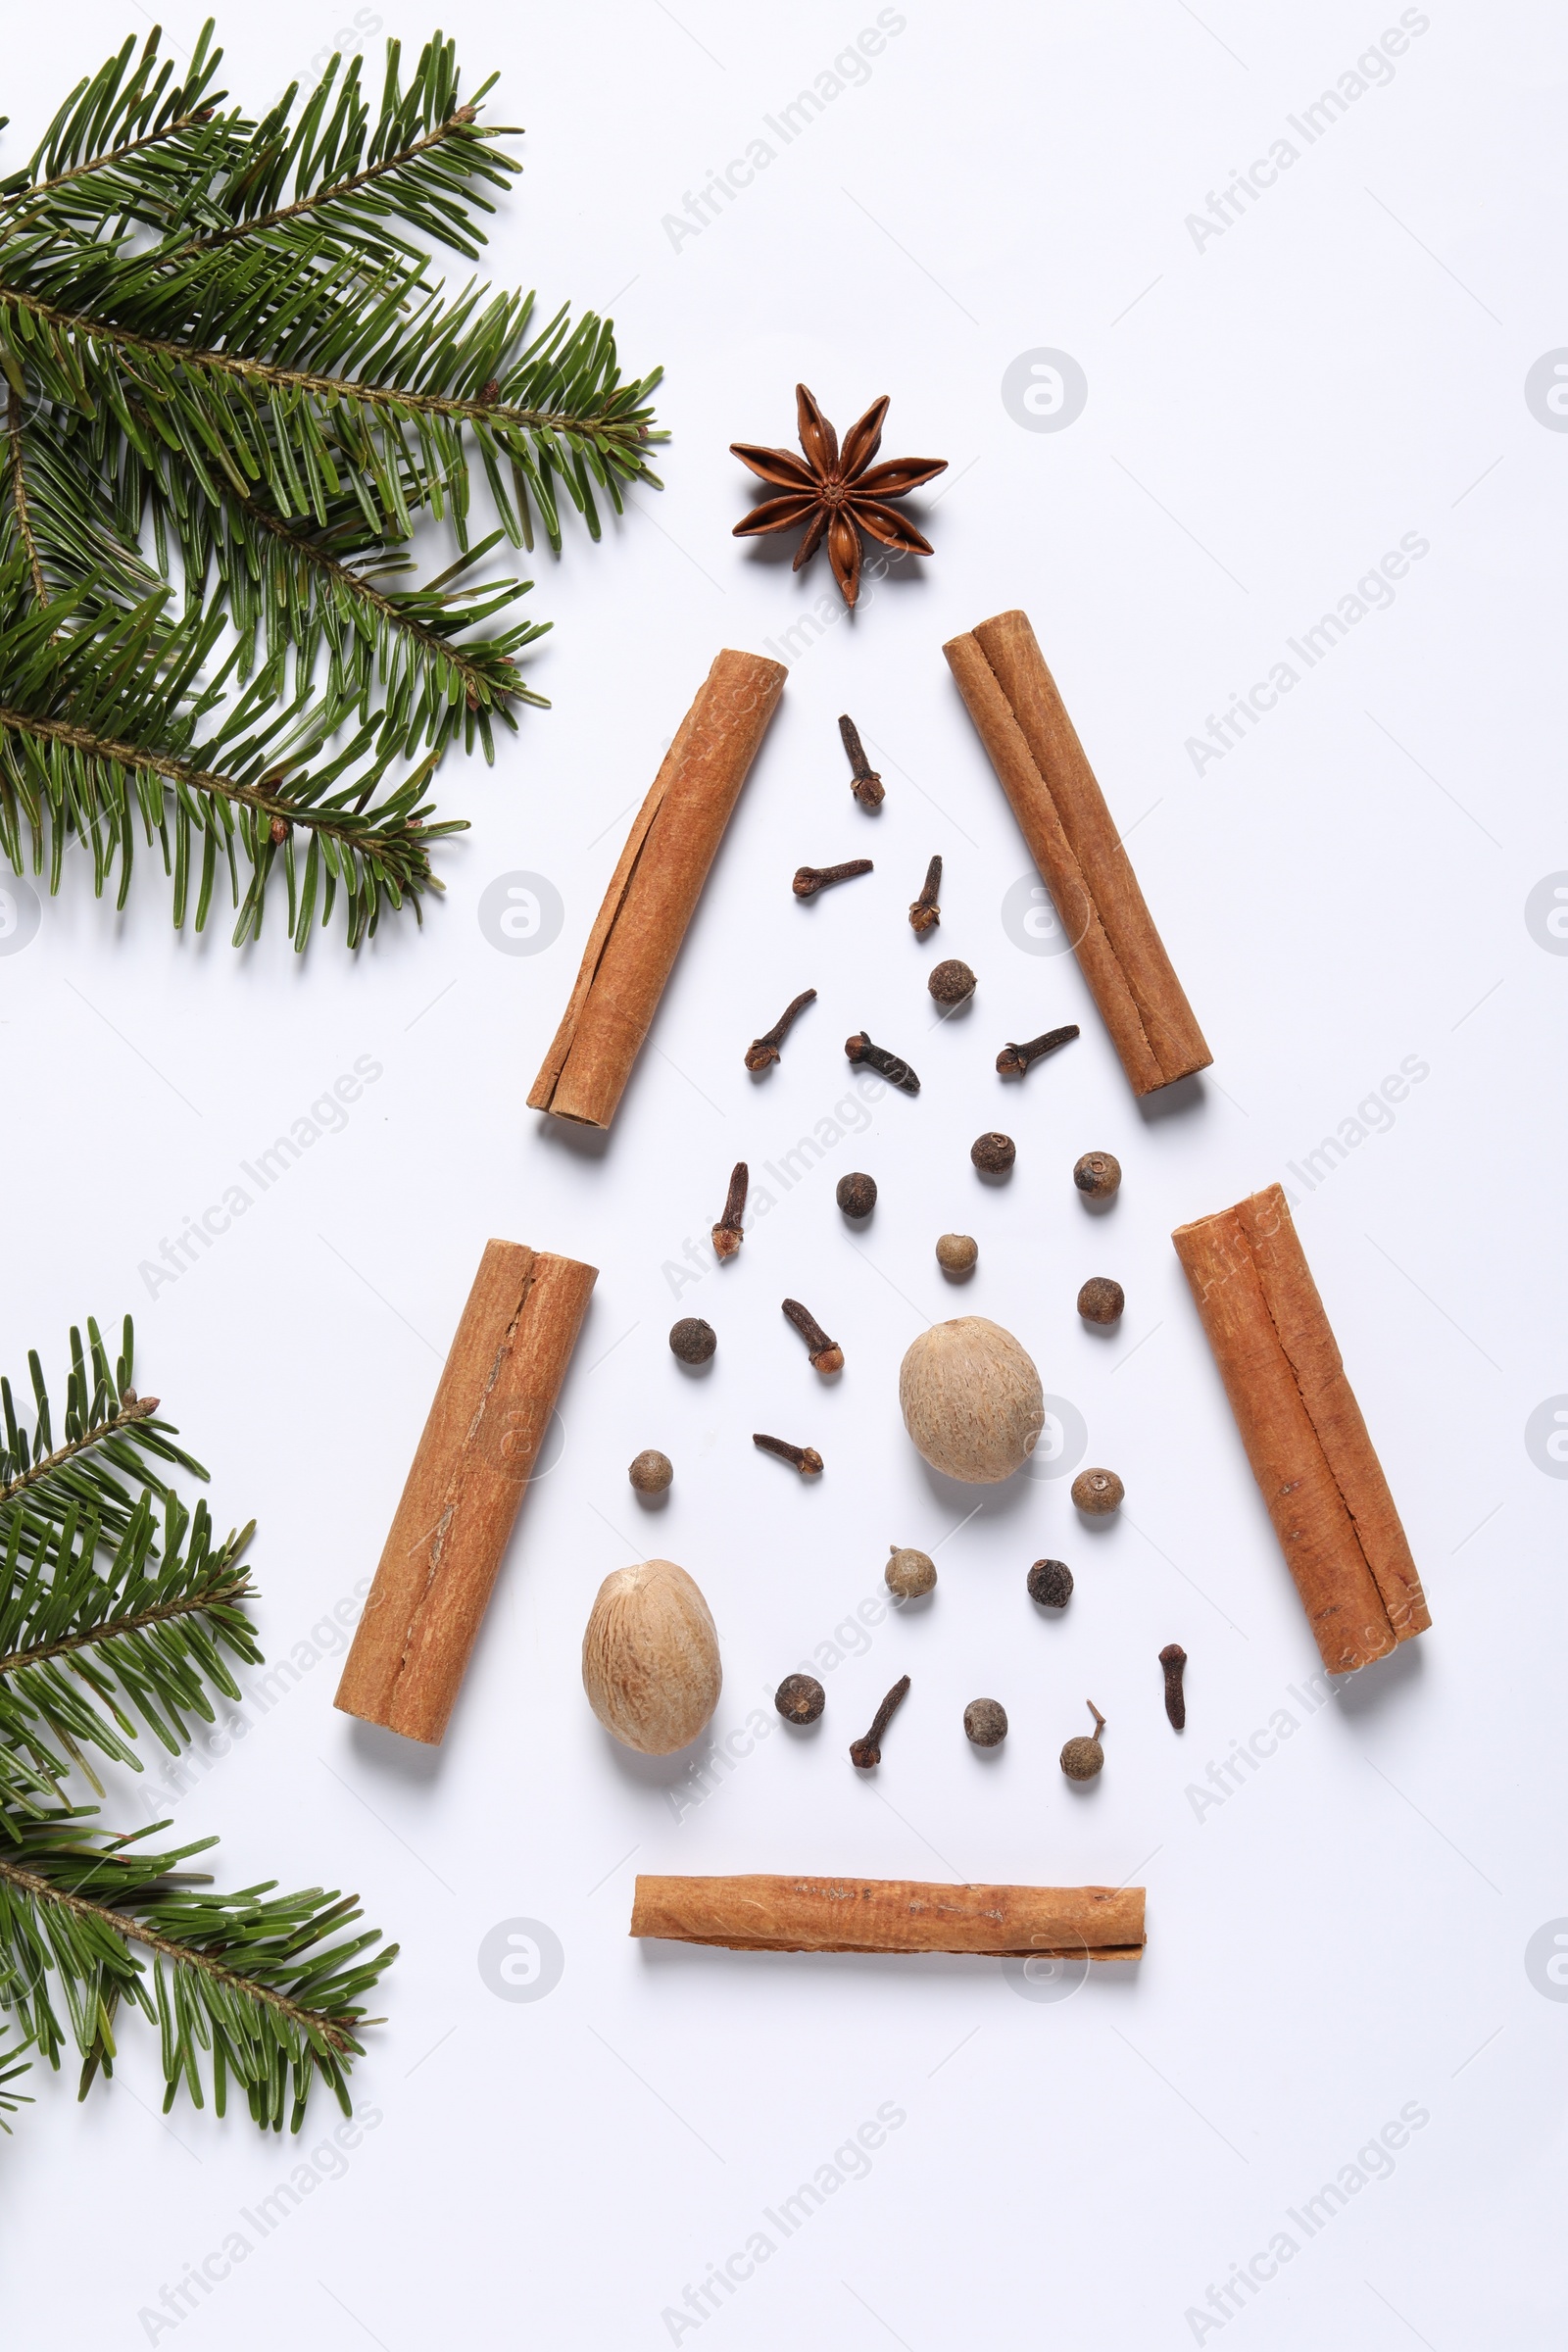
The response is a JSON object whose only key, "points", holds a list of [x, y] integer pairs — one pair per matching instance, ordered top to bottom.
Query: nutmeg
{"points": [[971, 1399], [650, 1658]]}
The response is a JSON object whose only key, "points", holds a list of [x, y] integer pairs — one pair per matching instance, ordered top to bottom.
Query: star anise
{"points": [[832, 491]]}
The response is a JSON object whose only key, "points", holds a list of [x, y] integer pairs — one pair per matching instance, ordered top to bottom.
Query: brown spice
{"points": [[836, 492], [867, 785], [810, 879], [924, 913], [951, 982], [763, 1050], [1013, 1060], [893, 1066], [994, 1154], [1098, 1175], [856, 1193], [727, 1234], [957, 1254], [1101, 1301], [693, 1340], [826, 1355], [804, 1458], [652, 1472], [1097, 1492], [909, 1575], [1050, 1584], [1173, 1658], [800, 1699], [985, 1722], [863, 1754], [1083, 1758], [834, 1914]]}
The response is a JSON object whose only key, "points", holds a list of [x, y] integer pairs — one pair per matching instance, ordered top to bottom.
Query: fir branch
{"points": [[19, 494], [249, 1986], [12, 2065]]}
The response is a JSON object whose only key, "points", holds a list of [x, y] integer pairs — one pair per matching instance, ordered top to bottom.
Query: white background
{"points": [[1345, 1935]]}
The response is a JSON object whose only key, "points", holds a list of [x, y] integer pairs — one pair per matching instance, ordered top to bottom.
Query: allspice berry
{"points": [[951, 982], [994, 1154], [1098, 1175], [857, 1194], [957, 1254], [1100, 1300], [693, 1340], [652, 1472], [1099, 1492], [909, 1574], [1050, 1584], [800, 1699], [985, 1722], [1083, 1758]]}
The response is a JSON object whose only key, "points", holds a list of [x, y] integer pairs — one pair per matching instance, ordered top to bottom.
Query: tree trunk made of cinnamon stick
{"points": [[1034, 748], [654, 891], [1302, 1430], [482, 1440], [760, 1914]]}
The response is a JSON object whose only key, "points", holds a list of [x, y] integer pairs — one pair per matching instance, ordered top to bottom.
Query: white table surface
{"points": [[1341, 1938]]}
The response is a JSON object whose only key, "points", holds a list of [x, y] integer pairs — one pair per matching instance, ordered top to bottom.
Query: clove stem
{"points": [[867, 785], [810, 879], [924, 913], [764, 1049], [1013, 1060], [893, 1066], [727, 1234], [826, 1355], [804, 1458], [1173, 1658], [863, 1754]]}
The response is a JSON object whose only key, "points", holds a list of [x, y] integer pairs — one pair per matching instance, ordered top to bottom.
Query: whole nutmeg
{"points": [[951, 982], [994, 1154], [1098, 1175], [857, 1194], [957, 1254], [1100, 1300], [693, 1340], [971, 1399], [652, 1472], [1099, 1492], [909, 1574], [1050, 1584], [650, 1658], [800, 1699], [985, 1722], [1083, 1758]]}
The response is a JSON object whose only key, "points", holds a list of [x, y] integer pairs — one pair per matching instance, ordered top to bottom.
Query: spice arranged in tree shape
{"points": [[227, 361], [120, 1609]]}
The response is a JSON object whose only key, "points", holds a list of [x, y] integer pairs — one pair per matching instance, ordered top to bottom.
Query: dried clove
{"points": [[867, 785], [810, 879], [924, 913], [764, 1049], [1013, 1060], [893, 1066], [727, 1234], [826, 1355], [804, 1458], [1173, 1658], [863, 1754]]}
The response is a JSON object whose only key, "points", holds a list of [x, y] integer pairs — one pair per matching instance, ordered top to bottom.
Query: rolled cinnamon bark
{"points": [[1024, 723], [654, 891], [491, 1411], [1302, 1430], [892, 1915]]}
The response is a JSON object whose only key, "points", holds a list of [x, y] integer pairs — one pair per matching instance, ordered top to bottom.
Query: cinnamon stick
{"points": [[1024, 723], [654, 891], [491, 1411], [1302, 1430], [892, 1915]]}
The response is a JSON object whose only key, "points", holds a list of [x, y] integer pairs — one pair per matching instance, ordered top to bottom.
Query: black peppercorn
{"points": [[951, 982], [993, 1154], [857, 1194], [1101, 1301], [693, 1340], [1050, 1584], [800, 1699], [985, 1722]]}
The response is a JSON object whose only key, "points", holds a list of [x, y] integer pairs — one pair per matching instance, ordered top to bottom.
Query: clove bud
{"points": [[866, 786], [810, 879], [924, 913], [763, 1050], [1013, 1060], [893, 1066], [727, 1234], [826, 1355], [804, 1458], [1173, 1658], [863, 1754]]}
